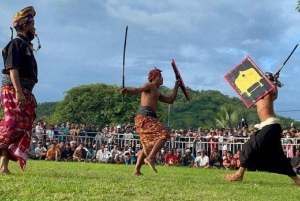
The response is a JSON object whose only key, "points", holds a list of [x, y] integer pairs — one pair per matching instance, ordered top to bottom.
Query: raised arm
{"points": [[135, 91], [170, 99]]}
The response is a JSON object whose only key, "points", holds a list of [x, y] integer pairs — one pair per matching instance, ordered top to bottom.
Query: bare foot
{"points": [[150, 162], [5, 172], [137, 173], [233, 177]]}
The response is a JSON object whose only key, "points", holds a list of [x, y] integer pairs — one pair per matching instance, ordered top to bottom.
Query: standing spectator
{"points": [[243, 123], [39, 130], [50, 131], [63, 131], [128, 135], [99, 136], [212, 142], [96, 146], [32, 147], [289, 149], [40, 152], [53, 153], [202, 160]]}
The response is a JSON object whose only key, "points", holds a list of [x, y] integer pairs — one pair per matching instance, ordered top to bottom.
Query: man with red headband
{"points": [[19, 78], [153, 134]]}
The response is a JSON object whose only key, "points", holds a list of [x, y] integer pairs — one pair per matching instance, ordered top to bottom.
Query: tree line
{"points": [[100, 104]]}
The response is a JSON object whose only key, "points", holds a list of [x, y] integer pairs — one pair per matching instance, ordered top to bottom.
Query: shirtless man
{"points": [[153, 134], [263, 151]]}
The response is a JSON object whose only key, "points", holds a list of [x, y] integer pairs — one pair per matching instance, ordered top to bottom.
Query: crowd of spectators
{"points": [[200, 148]]}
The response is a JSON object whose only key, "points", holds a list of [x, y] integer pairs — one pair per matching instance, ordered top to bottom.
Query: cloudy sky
{"points": [[82, 42]]}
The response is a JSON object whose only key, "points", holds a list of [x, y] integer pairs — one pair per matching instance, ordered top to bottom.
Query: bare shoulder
{"points": [[146, 87]]}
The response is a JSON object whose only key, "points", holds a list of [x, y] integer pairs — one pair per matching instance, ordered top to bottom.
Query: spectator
{"points": [[39, 130], [50, 131], [63, 131], [128, 135], [99, 137], [32, 147], [289, 149], [40, 152], [53, 153], [67, 153], [79, 153], [178, 153], [90, 155], [103, 155], [119, 158], [160, 158], [237, 158], [171, 159], [188, 159], [202, 160], [215, 160], [295, 161], [229, 162]]}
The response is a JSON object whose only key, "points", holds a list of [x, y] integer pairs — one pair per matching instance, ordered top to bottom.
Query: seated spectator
{"points": [[40, 152], [114, 152], [53, 153], [79, 153], [178, 153], [67, 154], [224, 154], [90, 155], [103, 155], [126, 156], [129, 157], [119, 158], [132, 158], [159, 158], [237, 158], [171, 159], [188, 159], [215, 160], [201, 161], [295, 161], [229, 162]]}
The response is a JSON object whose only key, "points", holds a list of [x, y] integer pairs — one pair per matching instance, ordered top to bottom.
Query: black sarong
{"points": [[264, 152]]}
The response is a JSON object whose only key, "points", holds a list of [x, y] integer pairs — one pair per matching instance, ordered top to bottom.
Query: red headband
{"points": [[153, 73]]}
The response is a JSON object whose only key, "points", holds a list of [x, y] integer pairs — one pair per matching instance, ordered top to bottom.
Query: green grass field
{"points": [[89, 181]]}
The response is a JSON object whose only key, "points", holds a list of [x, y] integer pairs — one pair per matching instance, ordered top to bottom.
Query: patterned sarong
{"points": [[16, 125], [150, 130]]}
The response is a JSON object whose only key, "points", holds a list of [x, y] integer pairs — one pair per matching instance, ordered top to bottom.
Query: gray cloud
{"points": [[82, 42]]}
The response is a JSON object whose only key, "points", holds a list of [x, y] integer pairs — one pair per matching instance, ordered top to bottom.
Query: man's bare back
{"points": [[265, 106]]}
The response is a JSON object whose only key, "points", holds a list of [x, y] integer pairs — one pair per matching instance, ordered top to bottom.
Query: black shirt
{"points": [[18, 55]]}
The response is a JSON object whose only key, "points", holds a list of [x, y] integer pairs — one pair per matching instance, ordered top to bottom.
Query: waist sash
{"points": [[146, 111]]}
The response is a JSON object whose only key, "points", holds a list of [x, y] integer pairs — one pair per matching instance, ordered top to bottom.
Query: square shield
{"points": [[249, 82]]}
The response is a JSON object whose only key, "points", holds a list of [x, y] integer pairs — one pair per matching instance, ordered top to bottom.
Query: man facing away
{"points": [[19, 79], [153, 134], [263, 151]]}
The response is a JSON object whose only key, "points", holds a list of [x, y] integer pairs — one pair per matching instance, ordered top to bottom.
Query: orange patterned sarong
{"points": [[16, 125], [150, 130]]}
